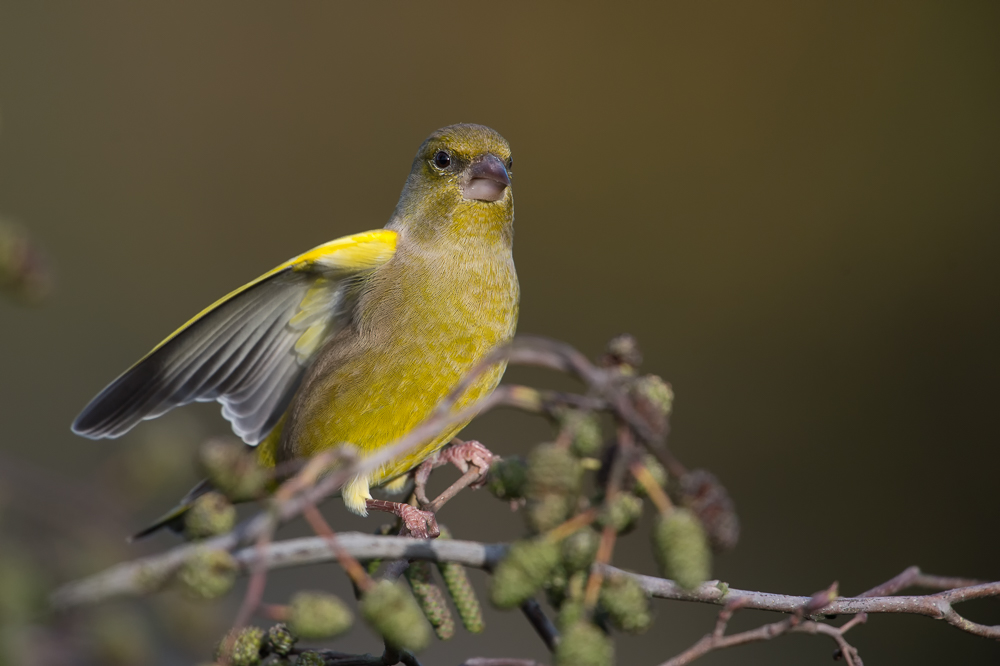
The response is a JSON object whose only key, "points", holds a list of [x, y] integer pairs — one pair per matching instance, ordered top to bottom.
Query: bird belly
{"points": [[374, 402]]}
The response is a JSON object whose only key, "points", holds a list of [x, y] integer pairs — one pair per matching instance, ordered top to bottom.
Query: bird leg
{"points": [[471, 458], [421, 524]]}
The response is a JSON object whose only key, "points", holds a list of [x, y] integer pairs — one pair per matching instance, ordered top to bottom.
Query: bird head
{"points": [[460, 179]]}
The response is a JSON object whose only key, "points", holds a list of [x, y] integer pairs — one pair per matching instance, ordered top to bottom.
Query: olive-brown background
{"points": [[794, 206]]}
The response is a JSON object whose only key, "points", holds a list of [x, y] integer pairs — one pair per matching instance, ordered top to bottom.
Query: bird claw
{"points": [[470, 454], [420, 524]]}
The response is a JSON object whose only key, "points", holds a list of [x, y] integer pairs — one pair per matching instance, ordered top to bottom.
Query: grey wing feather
{"points": [[241, 353]]}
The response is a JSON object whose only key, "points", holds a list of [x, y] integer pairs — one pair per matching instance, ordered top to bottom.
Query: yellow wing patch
{"points": [[359, 252], [350, 254]]}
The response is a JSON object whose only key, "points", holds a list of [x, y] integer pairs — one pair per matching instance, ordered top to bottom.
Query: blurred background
{"points": [[795, 207]]}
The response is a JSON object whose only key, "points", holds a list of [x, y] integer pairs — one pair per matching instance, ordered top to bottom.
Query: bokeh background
{"points": [[794, 206]]}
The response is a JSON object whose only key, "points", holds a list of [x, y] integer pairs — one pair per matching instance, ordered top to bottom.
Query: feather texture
{"points": [[247, 351]]}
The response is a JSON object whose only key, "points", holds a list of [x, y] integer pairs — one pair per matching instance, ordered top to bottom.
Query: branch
{"points": [[143, 575], [127, 579], [937, 606], [541, 623], [500, 661]]}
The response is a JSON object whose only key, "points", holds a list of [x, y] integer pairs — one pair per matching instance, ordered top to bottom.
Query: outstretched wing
{"points": [[248, 350]]}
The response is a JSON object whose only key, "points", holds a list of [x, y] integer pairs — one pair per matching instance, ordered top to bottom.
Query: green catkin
{"points": [[656, 391], [584, 429], [233, 470], [552, 470], [656, 470], [508, 479], [548, 511], [622, 513], [211, 514], [681, 548], [579, 549], [523, 571], [207, 574], [456, 581], [431, 599], [626, 604], [571, 612], [394, 614], [318, 615], [280, 640], [583, 644], [246, 647], [310, 659]]}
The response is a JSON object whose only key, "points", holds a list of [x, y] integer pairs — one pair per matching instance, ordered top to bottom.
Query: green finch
{"points": [[356, 341]]}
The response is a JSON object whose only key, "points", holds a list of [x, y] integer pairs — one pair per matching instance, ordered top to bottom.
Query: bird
{"points": [[355, 342]]}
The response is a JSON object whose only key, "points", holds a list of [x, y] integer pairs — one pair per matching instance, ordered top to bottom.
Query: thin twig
{"points": [[621, 458], [466, 480], [653, 489], [579, 521], [350, 565], [253, 596], [541, 623], [717, 640]]}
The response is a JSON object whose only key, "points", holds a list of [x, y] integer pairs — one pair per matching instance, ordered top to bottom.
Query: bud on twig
{"points": [[622, 350], [821, 599]]}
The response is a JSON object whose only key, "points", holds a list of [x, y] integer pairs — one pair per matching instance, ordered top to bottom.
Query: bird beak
{"points": [[488, 179]]}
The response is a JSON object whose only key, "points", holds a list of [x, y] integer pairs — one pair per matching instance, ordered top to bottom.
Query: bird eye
{"points": [[442, 159], [510, 163]]}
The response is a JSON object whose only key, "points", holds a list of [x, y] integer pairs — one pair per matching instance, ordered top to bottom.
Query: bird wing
{"points": [[248, 350]]}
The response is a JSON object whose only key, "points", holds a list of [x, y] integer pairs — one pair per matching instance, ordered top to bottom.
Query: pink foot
{"points": [[467, 455], [420, 524]]}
